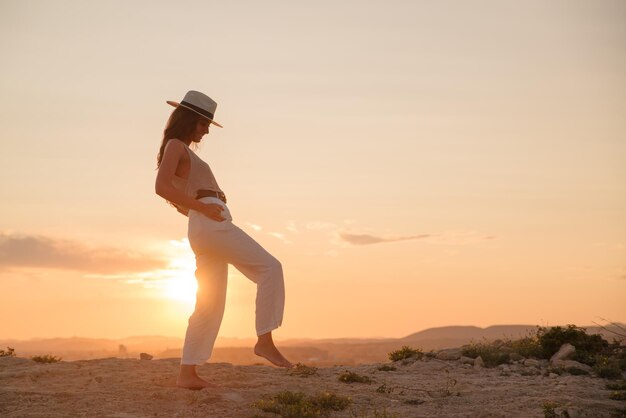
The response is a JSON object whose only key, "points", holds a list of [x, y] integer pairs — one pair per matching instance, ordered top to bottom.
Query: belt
{"points": [[210, 193]]}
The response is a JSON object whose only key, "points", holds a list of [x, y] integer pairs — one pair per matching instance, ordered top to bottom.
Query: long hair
{"points": [[181, 124]]}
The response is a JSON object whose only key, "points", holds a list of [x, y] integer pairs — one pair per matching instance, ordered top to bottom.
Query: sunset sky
{"points": [[412, 164]]}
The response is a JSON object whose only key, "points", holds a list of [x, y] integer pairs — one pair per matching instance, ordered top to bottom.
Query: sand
{"points": [[126, 388]]}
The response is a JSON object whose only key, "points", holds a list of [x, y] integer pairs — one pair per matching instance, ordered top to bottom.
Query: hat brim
{"points": [[171, 103]]}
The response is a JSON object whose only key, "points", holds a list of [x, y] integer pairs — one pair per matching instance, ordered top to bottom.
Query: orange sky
{"points": [[412, 165]]}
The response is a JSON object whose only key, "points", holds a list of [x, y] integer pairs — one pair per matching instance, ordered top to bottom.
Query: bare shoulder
{"points": [[175, 144], [175, 150], [174, 161]]}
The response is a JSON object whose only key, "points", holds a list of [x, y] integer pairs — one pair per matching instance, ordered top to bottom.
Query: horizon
{"points": [[411, 165], [222, 338]]}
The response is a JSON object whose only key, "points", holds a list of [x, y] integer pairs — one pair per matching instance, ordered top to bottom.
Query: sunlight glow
{"points": [[178, 280]]}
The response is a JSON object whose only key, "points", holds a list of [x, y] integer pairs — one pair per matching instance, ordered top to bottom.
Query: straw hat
{"points": [[199, 103]]}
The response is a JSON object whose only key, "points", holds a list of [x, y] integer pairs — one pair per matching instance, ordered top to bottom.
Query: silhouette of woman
{"points": [[188, 183]]}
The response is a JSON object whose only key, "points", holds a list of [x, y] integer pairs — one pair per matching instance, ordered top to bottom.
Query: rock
{"points": [[504, 349], [122, 351], [565, 351], [449, 354], [145, 356], [516, 357], [466, 360], [531, 362], [479, 363], [566, 364], [504, 367], [553, 375]]}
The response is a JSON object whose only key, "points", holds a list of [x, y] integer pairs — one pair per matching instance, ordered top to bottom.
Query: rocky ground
{"points": [[443, 384]]}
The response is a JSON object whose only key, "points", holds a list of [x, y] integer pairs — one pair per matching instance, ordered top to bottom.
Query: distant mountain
{"points": [[464, 332], [331, 351]]}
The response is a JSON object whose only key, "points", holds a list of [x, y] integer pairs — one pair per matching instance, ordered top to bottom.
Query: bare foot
{"points": [[268, 350], [188, 379], [194, 383]]}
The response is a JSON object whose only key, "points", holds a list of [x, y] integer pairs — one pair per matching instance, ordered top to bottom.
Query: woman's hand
{"points": [[213, 211]]}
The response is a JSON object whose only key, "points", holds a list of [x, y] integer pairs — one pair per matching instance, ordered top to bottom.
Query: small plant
{"points": [[10, 352], [406, 352], [46, 359], [607, 367], [386, 368], [302, 370], [576, 371], [351, 377], [449, 385], [616, 385], [383, 389], [618, 395], [414, 401], [298, 405], [550, 412], [384, 414]]}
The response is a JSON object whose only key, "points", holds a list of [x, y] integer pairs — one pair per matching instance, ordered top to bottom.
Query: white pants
{"points": [[217, 244]]}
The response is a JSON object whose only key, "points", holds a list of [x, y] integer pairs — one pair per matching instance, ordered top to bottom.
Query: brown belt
{"points": [[210, 193]]}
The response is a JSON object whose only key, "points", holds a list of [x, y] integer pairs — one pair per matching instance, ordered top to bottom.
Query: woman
{"points": [[188, 183]]}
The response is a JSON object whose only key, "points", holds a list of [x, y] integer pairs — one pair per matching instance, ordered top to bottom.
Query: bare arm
{"points": [[174, 152]]}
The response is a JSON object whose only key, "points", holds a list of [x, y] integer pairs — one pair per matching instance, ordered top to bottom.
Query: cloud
{"points": [[318, 225], [254, 226], [291, 227], [280, 237], [445, 238], [365, 239], [44, 252]]}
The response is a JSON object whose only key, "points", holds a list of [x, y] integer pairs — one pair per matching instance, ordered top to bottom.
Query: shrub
{"points": [[587, 346], [526, 347], [10, 352], [406, 352], [618, 352], [491, 353], [46, 359], [351, 377], [330, 402], [298, 405], [548, 410]]}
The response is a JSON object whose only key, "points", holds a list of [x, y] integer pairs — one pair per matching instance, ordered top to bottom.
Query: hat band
{"points": [[197, 109]]}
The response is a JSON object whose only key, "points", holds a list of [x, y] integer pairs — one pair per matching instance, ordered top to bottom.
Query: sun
{"points": [[179, 282], [181, 288]]}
